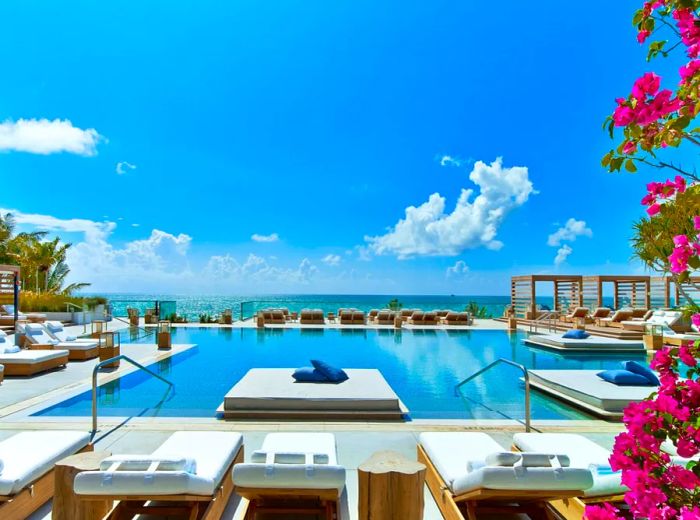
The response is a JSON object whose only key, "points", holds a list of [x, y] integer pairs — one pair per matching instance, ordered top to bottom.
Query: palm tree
{"points": [[56, 277], [477, 311]]}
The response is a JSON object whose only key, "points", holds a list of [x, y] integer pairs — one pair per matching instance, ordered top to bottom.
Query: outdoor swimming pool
{"points": [[422, 367]]}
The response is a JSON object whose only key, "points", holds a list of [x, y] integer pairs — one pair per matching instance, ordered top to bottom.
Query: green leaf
{"points": [[606, 159], [616, 164], [630, 166], [694, 262]]}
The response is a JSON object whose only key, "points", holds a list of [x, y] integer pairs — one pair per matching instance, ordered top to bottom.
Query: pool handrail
{"points": [[526, 378], [94, 383]]}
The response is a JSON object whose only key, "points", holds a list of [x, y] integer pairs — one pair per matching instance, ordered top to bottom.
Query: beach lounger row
{"points": [[311, 317], [351, 317], [26, 362], [196, 472]]}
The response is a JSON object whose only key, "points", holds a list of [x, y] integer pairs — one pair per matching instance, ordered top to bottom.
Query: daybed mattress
{"points": [[589, 343], [29, 357], [585, 388], [274, 390]]}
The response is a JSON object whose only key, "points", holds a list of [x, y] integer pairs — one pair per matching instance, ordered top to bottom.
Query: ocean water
{"points": [[192, 306], [422, 367]]}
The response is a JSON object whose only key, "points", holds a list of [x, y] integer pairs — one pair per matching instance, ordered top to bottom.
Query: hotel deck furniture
{"points": [[292, 472], [189, 474], [27, 479], [463, 482], [390, 487], [66, 504]]}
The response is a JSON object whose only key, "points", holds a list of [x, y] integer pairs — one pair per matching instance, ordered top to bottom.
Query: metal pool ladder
{"points": [[526, 378], [94, 382]]}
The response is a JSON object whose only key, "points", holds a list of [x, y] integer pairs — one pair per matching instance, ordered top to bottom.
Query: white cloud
{"points": [[41, 136], [448, 160], [123, 167], [135, 225], [572, 229], [427, 230], [274, 237], [562, 254], [330, 259], [226, 269], [459, 269]]}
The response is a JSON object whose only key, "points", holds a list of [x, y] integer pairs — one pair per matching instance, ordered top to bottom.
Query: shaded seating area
{"points": [[272, 316], [351, 317], [385, 317], [424, 318]]}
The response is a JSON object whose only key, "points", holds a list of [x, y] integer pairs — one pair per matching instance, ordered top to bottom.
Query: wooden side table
{"points": [[391, 487], [66, 504]]}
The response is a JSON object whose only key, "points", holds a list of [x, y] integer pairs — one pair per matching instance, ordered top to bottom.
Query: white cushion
{"points": [[54, 326], [3, 334], [75, 345], [9, 349], [24, 357], [212, 452], [452, 452], [582, 452], [29, 455], [531, 459], [145, 462], [280, 475]]}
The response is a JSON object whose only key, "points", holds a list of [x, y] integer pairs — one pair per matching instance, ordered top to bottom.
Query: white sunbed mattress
{"points": [[589, 343], [31, 356], [584, 387], [275, 389], [582, 452], [213, 453], [450, 453], [29, 455], [293, 476]]}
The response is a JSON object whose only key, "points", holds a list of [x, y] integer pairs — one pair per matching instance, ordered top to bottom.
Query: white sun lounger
{"points": [[38, 334], [79, 348], [20, 362], [583, 388], [582, 453], [28, 458], [288, 465], [190, 469], [461, 480]]}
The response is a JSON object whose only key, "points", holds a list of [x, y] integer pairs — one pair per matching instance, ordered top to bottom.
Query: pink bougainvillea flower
{"points": [[643, 35], [688, 70], [647, 85], [653, 209], [696, 221], [695, 319], [687, 356], [602, 512]]}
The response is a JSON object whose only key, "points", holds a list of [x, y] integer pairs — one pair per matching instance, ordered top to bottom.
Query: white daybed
{"points": [[591, 343], [583, 388], [273, 393]]}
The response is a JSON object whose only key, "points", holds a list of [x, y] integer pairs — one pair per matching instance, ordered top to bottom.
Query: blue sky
{"points": [[188, 128]]}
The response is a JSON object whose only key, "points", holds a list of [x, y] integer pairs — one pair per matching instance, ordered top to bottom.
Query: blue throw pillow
{"points": [[575, 334], [642, 370], [309, 375], [335, 375], [623, 378]]}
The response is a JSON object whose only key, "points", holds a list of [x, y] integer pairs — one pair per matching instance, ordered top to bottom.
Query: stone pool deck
{"points": [[356, 441]]}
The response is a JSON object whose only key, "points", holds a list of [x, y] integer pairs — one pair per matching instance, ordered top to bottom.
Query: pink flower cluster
{"points": [[689, 28], [646, 104], [662, 190], [683, 250], [660, 489]]}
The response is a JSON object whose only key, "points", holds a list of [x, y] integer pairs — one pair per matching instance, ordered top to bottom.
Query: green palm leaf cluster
{"points": [[42, 262]]}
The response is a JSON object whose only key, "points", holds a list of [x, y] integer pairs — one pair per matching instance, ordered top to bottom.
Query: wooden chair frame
{"points": [[32, 497], [291, 501], [465, 505], [196, 507]]}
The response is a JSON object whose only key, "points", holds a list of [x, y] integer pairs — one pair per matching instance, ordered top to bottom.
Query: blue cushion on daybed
{"points": [[575, 334], [642, 370], [309, 375], [335, 375], [623, 378]]}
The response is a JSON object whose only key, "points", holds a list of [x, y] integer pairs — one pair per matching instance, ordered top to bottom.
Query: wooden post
{"points": [[600, 292], [615, 295], [390, 487], [66, 504]]}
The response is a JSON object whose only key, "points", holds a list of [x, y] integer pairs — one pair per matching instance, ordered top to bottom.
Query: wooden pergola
{"points": [[9, 286], [635, 289], [523, 293], [667, 294]]}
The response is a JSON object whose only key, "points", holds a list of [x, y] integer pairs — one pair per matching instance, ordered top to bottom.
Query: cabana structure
{"points": [[9, 287], [628, 290], [523, 293]]}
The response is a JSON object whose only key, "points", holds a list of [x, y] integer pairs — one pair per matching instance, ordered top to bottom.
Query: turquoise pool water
{"points": [[422, 367]]}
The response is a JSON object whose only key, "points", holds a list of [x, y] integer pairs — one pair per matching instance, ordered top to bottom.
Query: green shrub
{"points": [[44, 302]]}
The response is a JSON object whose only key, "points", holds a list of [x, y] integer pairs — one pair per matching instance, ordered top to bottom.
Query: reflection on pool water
{"points": [[422, 367]]}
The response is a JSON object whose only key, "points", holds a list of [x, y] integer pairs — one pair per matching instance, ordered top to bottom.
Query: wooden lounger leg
{"points": [[471, 510], [250, 512]]}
